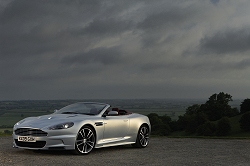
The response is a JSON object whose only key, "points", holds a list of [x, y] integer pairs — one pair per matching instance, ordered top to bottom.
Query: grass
{"points": [[3, 129], [236, 130], [3, 133]]}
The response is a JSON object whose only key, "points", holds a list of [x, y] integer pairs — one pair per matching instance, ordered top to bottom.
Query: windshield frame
{"points": [[85, 108]]}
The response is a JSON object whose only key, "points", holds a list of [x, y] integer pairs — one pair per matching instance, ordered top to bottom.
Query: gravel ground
{"points": [[160, 151]]}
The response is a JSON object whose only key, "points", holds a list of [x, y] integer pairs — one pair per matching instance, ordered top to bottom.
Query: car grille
{"points": [[30, 132], [37, 144]]}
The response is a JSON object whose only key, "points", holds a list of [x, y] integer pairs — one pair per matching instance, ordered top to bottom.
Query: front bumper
{"points": [[54, 140]]}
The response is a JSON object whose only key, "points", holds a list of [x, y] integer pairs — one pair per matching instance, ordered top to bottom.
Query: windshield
{"points": [[82, 108]]}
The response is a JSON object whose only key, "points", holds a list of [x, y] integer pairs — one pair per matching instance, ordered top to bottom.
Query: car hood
{"points": [[49, 120]]}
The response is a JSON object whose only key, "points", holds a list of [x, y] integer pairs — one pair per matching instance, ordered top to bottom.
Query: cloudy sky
{"points": [[125, 49]]}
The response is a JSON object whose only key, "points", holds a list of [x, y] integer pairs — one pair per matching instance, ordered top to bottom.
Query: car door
{"points": [[116, 127]]}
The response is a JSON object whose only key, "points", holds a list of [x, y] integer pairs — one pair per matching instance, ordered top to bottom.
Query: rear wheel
{"points": [[142, 137], [85, 140]]}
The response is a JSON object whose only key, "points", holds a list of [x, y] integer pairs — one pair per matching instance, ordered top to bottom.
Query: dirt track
{"points": [[161, 151]]}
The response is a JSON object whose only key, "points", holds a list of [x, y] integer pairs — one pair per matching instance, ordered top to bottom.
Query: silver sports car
{"points": [[82, 127]]}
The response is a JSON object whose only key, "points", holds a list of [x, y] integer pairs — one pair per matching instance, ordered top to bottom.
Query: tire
{"points": [[142, 137], [85, 140]]}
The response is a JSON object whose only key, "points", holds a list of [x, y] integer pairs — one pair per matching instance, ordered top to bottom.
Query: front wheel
{"points": [[142, 137], [85, 140]]}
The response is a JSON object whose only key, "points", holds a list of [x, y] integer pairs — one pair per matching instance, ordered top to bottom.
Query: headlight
{"points": [[65, 125]]}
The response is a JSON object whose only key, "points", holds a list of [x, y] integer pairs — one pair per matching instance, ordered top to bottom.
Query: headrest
{"points": [[115, 109]]}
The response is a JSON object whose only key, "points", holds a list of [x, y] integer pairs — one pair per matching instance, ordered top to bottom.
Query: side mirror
{"points": [[55, 110], [110, 113], [113, 113]]}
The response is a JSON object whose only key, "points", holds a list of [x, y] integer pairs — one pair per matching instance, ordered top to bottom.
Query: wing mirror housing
{"points": [[110, 113], [113, 113]]}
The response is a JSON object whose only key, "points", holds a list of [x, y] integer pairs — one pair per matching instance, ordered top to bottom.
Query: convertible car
{"points": [[81, 127]]}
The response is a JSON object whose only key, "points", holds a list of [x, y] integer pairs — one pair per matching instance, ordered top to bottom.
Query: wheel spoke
{"points": [[81, 132], [84, 133], [89, 134], [143, 141], [78, 143], [91, 144], [85, 148]]}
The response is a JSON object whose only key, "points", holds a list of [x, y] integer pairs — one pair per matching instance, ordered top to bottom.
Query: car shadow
{"points": [[71, 152]]}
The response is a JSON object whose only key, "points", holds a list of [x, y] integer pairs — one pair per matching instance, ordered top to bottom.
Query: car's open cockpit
{"points": [[116, 112]]}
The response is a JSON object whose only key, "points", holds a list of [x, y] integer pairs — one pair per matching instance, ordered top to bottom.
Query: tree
{"points": [[217, 106], [245, 106], [194, 109], [234, 112], [191, 120], [245, 121], [181, 122], [223, 126]]}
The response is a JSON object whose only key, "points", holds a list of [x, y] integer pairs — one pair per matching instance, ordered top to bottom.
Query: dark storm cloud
{"points": [[215, 1], [29, 10], [163, 20], [36, 27], [33, 28], [100, 28], [227, 41], [69, 49], [104, 56], [244, 64], [208, 65]]}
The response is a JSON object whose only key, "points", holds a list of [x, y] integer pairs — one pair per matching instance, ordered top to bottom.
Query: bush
{"points": [[194, 121], [245, 121], [159, 124], [174, 126], [223, 127], [207, 129], [162, 130], [7, 132]]}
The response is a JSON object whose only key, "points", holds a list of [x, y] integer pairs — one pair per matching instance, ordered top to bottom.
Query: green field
{"points": [[10, 117], [2, 130]]}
